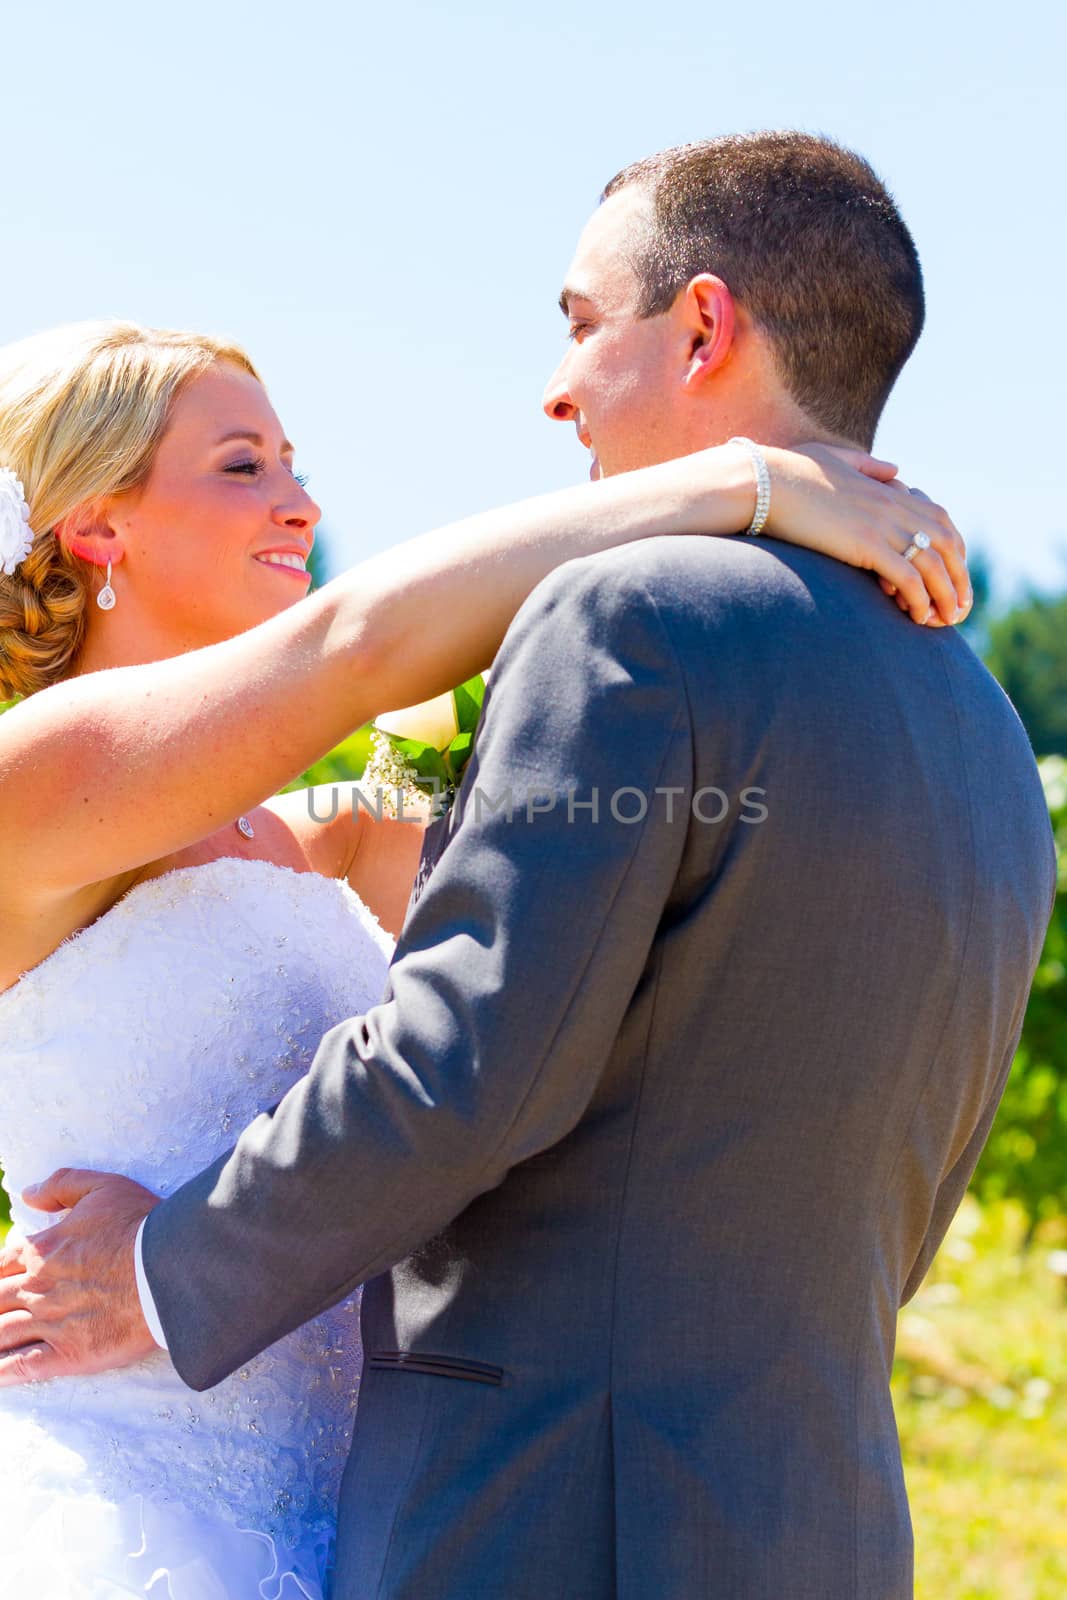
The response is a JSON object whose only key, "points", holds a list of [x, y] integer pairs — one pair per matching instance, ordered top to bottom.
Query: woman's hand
{"points": [[850, 505]]}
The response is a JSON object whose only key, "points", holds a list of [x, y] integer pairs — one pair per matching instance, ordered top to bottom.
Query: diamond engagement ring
{"points": [[919, 541]]}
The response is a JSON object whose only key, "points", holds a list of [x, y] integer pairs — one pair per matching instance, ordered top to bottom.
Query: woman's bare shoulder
{"points": [[322, 823], [344, 837]]}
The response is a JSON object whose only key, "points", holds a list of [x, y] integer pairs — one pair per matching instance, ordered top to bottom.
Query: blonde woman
{"points": [[175, 935]]}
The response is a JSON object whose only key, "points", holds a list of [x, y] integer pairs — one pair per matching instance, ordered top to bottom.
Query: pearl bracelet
{"points": [[763, 483]]}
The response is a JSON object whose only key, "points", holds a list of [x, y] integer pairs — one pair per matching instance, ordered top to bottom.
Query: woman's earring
{"points": [[107, 596]]}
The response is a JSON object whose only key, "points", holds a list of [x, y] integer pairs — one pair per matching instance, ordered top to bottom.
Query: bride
{"points": [[175, 935]]}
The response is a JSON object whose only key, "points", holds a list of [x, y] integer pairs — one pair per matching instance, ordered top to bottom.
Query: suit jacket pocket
{"points": [[436, 1366]]}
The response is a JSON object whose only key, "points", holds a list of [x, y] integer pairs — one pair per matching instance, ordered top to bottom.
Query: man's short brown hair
{"points": [[809, 241]]}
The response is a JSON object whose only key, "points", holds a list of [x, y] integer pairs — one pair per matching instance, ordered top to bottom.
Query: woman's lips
{"points": [[301, 574]]}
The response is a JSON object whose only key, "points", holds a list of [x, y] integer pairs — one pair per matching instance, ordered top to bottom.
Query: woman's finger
{"points": [[870, 466], [882, 518], [945, 540], [950, 546], [920, 585], [939, 585], [912, 595]]}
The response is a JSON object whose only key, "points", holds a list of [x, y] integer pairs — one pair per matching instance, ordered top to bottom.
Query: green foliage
{"points": [[319, 563], [976, 627], [1026, 651], [470, 697], [427, 763], [439, 771], [1026, 1156], [980, 1391]]}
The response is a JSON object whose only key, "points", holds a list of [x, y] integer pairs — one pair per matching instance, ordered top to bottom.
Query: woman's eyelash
{"points": [[257, 466]]}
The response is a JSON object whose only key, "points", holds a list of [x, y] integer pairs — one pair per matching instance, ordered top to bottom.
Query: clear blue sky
{"points": [[381, 207]]}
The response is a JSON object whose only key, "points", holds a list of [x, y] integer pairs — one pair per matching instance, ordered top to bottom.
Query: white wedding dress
{"points": [[143, 1045]]}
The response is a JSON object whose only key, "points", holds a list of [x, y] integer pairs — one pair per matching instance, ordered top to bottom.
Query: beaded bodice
{"points": [[143, 1045]]}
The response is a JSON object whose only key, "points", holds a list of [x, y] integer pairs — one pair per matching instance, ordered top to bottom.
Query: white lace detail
{"points": [[143, 1045]]}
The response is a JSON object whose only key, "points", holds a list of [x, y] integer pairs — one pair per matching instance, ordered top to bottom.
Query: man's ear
{"points": [[710, 320]]}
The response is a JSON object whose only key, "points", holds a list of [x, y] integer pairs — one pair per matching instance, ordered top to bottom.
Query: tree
{"points": [[319, 563], [976, 628], [1027, 652], [1025, 1158]]}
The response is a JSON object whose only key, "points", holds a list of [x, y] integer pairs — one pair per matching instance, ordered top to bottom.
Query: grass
{"points": [[980, 1388], [981, 1396]]}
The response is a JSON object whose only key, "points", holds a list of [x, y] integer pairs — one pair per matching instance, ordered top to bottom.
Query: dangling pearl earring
{"points": [[107, 597]]}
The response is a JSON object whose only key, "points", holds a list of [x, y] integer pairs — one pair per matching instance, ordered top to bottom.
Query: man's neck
{"points": [[765, 413], [782, 431]]}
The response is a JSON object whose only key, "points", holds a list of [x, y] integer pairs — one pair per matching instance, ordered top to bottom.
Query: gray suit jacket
{"points": [[661, 1119]]}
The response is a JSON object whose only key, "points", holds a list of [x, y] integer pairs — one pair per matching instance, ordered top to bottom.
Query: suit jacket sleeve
{"points": [[509, 986]]}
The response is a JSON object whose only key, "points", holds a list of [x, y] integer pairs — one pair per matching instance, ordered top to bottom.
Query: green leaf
{"points": [[469, 698], [410, 749], [457, 755], [429, 764], [1026, 1157]]}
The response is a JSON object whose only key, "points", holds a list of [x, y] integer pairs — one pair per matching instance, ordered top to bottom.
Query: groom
{"points": [[685, 1064]]}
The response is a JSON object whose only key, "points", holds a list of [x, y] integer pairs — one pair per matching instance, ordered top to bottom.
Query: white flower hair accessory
{"points": [[16, 535]]}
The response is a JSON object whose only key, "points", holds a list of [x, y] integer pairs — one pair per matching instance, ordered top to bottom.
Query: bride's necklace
{"points": [[244, 826]]}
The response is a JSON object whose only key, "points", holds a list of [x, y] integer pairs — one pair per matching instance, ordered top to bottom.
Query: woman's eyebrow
{"points": [[254, 438]]}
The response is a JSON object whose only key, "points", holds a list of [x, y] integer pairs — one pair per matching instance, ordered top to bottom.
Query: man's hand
{"points": [[68, 1296]]}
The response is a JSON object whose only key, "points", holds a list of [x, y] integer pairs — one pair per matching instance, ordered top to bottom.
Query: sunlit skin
{"points": [[641, 390], [186, 547]]}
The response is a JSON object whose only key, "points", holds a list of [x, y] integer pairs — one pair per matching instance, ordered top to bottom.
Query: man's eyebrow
{"points": [[569, 293], [255, 438]]}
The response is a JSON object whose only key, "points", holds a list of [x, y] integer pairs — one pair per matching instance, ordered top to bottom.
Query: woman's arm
{"points": [[105, 773]]}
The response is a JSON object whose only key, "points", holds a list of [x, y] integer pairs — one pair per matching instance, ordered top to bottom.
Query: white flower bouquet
{"points": [[424, 749]]}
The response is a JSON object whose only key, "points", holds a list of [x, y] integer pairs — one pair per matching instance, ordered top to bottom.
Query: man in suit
{"points": [[689, 1051]]}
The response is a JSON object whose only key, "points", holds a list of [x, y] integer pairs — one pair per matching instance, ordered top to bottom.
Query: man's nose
{"points": [[557, 403]]}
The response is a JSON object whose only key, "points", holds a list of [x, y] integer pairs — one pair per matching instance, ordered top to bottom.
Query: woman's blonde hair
{"points": [[82, 411]]}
